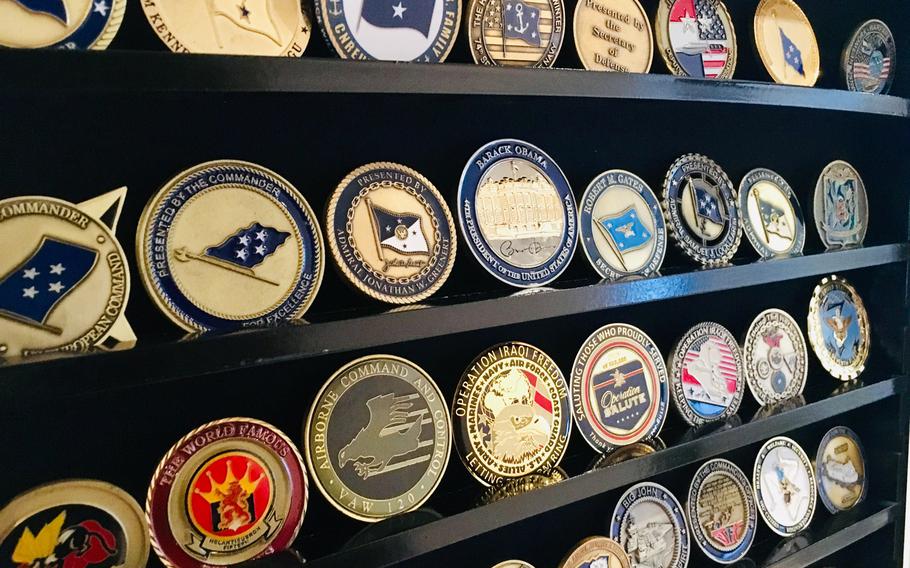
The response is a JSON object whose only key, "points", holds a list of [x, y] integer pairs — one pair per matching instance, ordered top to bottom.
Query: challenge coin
{"points": [[60, 24], [231, 27], [390, 30], [515, 33], [613, 35], [696, 38], [786, 42], [869, 57], [700, 208], [841, 209], [517, 213], [772, 218], [621, 225], [391, 233], [229, 244], [65, 284], [839, 328], [775, 356], [706, 374], [619, 387], [511, 413], [378, 437], [627, 453], [841, 469], [522, 485], [784, 486], [227, 492], [721, 511], [77, 522], [649, 524], [596, 552], [513, 564]]}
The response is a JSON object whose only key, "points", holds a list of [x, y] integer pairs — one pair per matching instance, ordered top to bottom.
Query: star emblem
{"points": [[101, 7], [244, 12], [399, 13], [261, 236], [245, 240], [260, 250], [241, 254], [57, 268], [30, 273], [56, 287], [29, 292]]}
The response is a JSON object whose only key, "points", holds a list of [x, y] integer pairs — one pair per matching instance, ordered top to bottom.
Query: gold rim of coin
{"points": [[117, 9], [664, 35], [614, 36], [772, 43], [493, 50], [849, 370], [593, 548], [513, 564]]}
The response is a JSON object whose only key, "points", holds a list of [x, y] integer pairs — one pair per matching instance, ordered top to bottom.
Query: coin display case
{"points": [[73, 125]]}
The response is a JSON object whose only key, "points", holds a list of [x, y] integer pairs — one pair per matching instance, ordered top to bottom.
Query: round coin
{"points": [[60, 24], [244, 27], [402, 30], [515, 33], [613, 35], [696, 38], [786, 43], [869, 58], [700, 208], [841, 208], [517, 213], [772, 218], [621, 225], [391, 233], [229, 244], [65, 284], [839, 328], [775, 356], [706, 374], [619, 387], [511, 411], [378, 437], [626, 453], [841, 469], [522, 485], [784, 486], [227, 492], [721, 511], [69, 523], [649, 524], [596, 552], [513, 564]]}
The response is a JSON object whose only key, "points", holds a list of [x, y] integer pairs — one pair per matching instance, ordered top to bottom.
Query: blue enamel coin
{"points": [[60, 24], [650, 525]]}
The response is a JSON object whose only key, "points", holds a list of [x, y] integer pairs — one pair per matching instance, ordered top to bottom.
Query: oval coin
{"points": [[58, 24], [515, 33], [613, 35], [696, 38], [786, 42], [868, 62], [840, 206], [772, 217], [839, 328], [775, 357], [841, 469], [784, 486], [721, 511], [648, 522], [596, 552]]}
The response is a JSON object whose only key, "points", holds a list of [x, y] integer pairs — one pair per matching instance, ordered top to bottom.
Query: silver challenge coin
{"points": [[869, 57], [841, 208], [772, 217], [776, 359], [784, 485], [721, 511], [650, 525]]}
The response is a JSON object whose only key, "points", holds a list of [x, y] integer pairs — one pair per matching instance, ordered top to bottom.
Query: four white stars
{"points": [[31, 273]]}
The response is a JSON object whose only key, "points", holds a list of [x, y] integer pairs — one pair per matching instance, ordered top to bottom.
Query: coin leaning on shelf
{"points": [[59, 24], [515, 33], [613, 35], [696, 38], [786, 43], [869, 59], [840, 206], [772, 217], [839, 329], [776, 360], [841, 470], [784, 486], [721, 511], [650, 525], [596, 552]]}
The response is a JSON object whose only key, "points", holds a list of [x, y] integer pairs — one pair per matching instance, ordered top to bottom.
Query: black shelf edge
{"points": [[121, 71], [461, 527]]}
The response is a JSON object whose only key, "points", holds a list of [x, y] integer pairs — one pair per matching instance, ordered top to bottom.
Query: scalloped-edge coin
{"points": [[59, 24], [515, 33], [613, 35], [696, 38], [786, 43], [869, 58], [841, 207], [700, 208], [772, 217], [621, 225], [391, 233], [229, 244], [839, 329], [776, 359], [706, 374], [841, 469], [784, 486], [229, 491], [721, 511], [67, 523], [650, 525], [596, 552], [513, 564]]}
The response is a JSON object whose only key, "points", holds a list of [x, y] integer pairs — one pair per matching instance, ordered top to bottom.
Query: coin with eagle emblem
{"points": [[869, 57], [839, 329]]}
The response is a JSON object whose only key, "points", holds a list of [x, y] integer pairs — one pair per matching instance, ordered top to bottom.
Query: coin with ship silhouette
{"points": [[60, 24], [515, 33], [613, 36], [696, 38], [786, 43], [868, 61], [840, 206], [700, 208], [772, 217], [621, 225], [391, 233], [229, 244], [65, 283], [839, 329], [776, 360], [706, 374], [619, 387], [511, 413], [377, 438], [841, 469], [784, 486], [229, 491], [721, 511], [79, 523], [650, 525], [596, 552]]}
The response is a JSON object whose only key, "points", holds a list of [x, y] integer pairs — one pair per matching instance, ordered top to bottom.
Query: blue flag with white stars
{"points": [[54, 8], [414, 14], [521, 21], [792, 55], [706, 205], [626, 230], [401, 232], [250, 246], [29, 293]]}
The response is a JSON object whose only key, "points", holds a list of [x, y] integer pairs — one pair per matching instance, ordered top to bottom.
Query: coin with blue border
{"points": [[60, 24], [869, 58], [841, 207], [517, 213], [772, 217], [622, 226], [229, 244], [839, 330], [841, 469], [721, 511], [649, 523]]}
